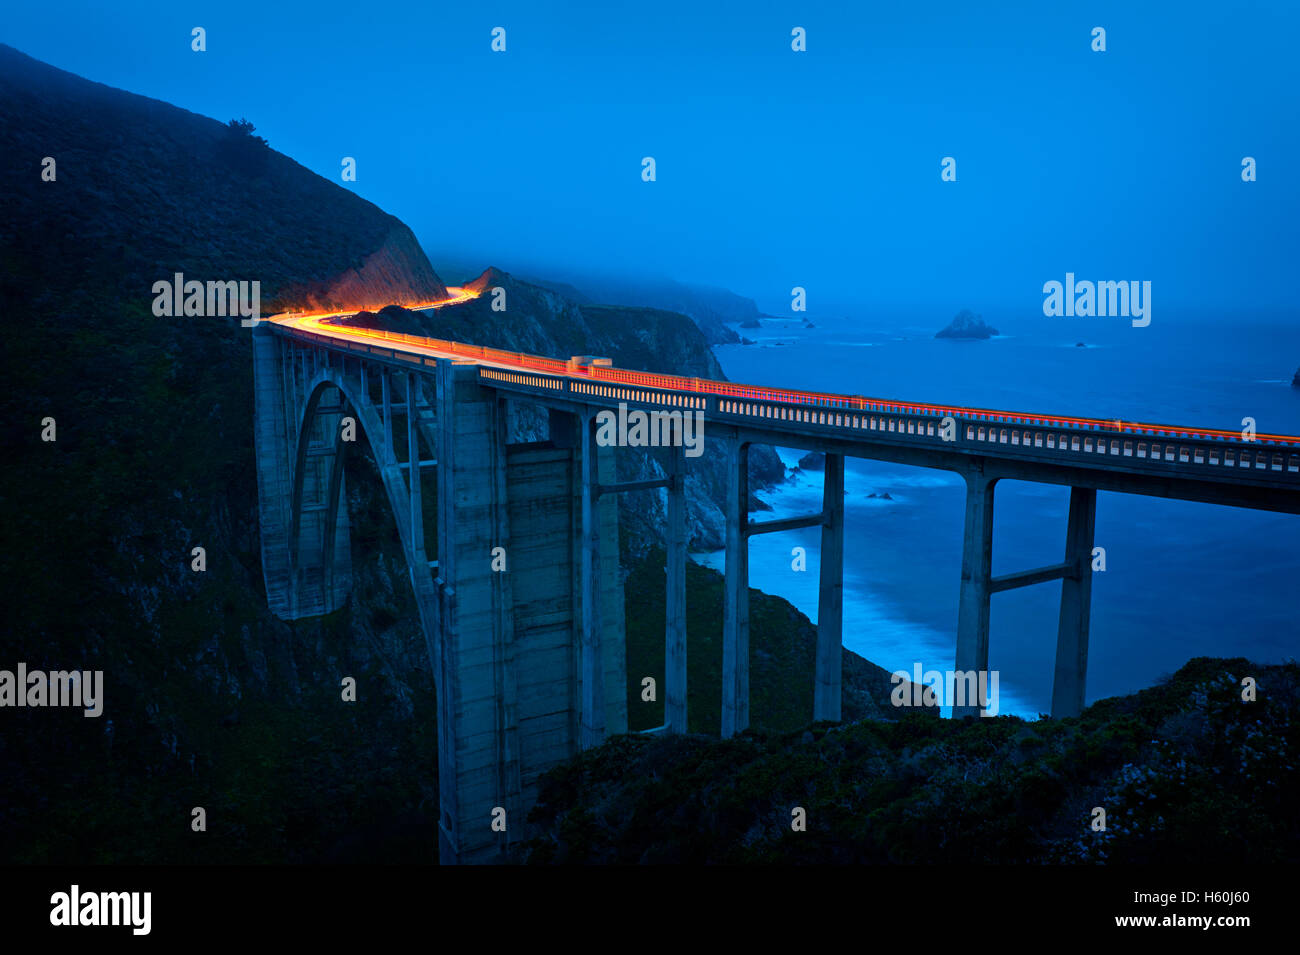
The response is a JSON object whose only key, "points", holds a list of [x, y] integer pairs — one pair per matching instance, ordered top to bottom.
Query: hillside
{"points": [[144, 189], [1187, 773]]}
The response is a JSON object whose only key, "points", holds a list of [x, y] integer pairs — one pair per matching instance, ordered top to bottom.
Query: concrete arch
{"points": [[378, 434]]}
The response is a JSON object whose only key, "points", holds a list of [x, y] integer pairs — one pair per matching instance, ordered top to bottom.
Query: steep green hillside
{"points": [[1187, 773]]}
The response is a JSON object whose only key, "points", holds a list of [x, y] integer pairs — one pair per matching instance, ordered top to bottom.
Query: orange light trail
{"points": [[312, 321]]}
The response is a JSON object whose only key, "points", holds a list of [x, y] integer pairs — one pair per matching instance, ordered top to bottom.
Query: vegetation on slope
{"points": [[1186, 771]]}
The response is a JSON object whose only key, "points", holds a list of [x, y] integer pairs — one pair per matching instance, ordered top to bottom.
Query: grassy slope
{"points": [[1187, 773]]}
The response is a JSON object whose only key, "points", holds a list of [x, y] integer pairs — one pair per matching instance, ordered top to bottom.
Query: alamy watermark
{"points": [[178, 297], [1103, 299], [651, 429], [56, 688], [955, 688], [76, 907]]}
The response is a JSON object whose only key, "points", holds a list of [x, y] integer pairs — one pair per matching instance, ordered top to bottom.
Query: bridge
{"points": [[529, 662]]}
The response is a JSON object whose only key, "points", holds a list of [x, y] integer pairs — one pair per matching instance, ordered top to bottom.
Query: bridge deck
{"points": [[942, 436]]}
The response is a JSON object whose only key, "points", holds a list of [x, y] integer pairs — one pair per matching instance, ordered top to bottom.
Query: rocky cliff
{"points": [[712, 309]]}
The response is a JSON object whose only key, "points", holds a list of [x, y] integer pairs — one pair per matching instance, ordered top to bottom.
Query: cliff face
{"points": [[396, 272], [709, 308]]}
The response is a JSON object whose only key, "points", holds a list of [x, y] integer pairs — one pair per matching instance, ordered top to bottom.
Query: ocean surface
{"points": [[1181, 580]]}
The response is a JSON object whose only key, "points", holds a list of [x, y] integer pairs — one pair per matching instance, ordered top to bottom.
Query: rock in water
{"points": [[967, 325], [1295, 382], [813, 461]]}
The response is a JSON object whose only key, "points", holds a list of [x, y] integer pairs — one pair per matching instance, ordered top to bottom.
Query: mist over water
{"points": [[1181, 580]]}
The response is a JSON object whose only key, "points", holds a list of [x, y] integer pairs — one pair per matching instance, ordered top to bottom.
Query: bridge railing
{"points": [[972, 422], [1135, 447], [1149, 450]]}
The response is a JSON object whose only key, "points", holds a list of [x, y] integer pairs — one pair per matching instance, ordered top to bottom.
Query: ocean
{"points": [[1182, 580]]}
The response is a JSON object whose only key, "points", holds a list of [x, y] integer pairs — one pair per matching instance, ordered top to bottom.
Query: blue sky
{"points": [[775, 168]]}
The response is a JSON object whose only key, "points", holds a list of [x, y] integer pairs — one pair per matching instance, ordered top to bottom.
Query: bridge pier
{"points": [[274, 415], [305, 535], [976, 576], [978, 585], [675, 599], [830, 601], [1076, 603], [735, 612], [475, 635], [592, 732]]}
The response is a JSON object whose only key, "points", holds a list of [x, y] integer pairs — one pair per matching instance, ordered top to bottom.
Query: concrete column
{"points": [[289, 385], [300, 392], [387, 398], [273, 404], [413, 462], [976, 571], [830, 600], [675, 604], [1076, 606], [735, 611], [613, 651], [592, 721], [474, 761], [509, 777]]}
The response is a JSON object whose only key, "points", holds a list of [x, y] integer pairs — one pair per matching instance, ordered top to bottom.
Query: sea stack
{"points": [[967, 325]]}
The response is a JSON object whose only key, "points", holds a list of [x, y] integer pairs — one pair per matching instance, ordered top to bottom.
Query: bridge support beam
{"points": [[274, 422], [414, 475], [305, 534], [976, 577], [830, 600], [675, 601], [1076, 603], [735, 612], [476, 631], [592, 728]]}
